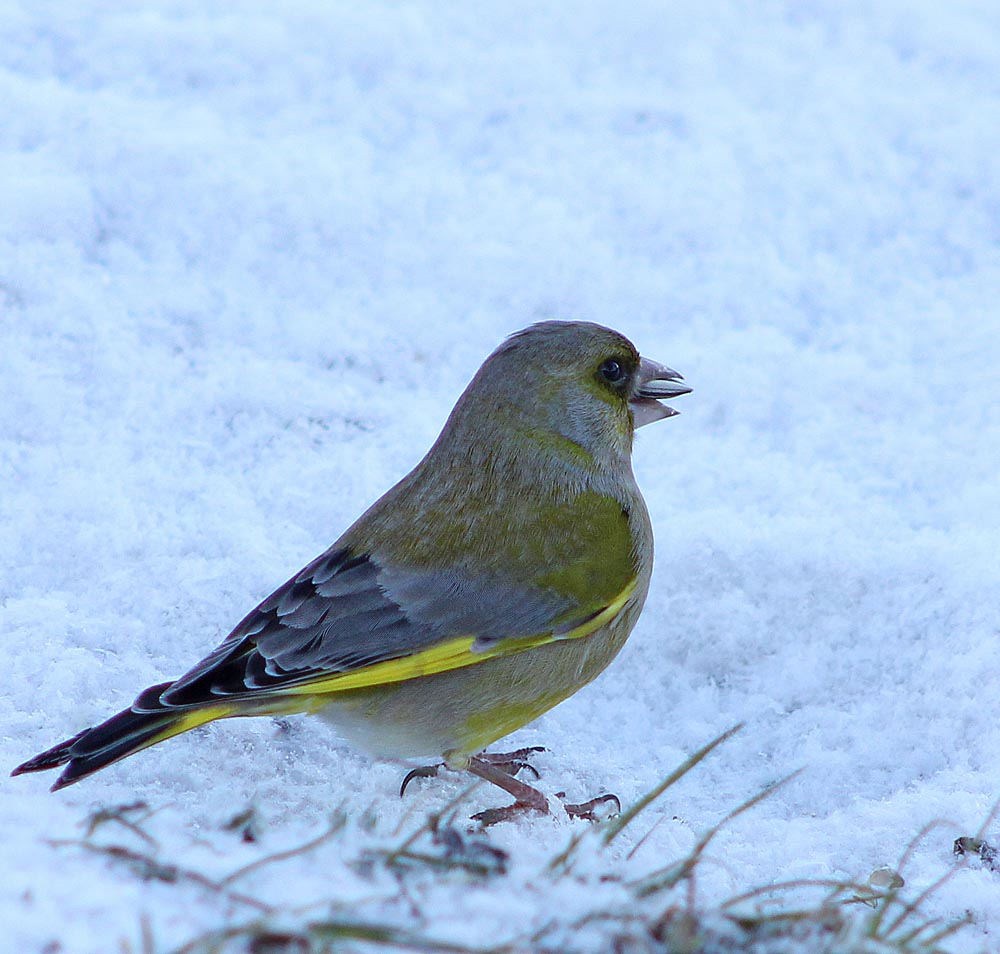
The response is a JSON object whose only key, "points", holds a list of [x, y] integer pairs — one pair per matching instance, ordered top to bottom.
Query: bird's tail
{"points": [[144, 724]]}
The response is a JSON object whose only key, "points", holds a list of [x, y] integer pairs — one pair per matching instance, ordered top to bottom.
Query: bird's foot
{"points": [[509, 762], [514, 762], [500, 769], [527, 798], [594, 810], [492, 816]]}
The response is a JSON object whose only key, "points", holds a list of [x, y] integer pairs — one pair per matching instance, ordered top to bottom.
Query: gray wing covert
{"points": [[345, 611]]}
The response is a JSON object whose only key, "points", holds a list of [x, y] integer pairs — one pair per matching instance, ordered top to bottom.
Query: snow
{"points": [[250, 256]]}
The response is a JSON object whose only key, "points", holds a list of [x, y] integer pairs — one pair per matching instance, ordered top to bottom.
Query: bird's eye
{"points": [[612, 371]]}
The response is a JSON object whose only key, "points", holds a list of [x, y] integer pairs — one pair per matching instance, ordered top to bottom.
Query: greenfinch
{"points": [[493, 581]]}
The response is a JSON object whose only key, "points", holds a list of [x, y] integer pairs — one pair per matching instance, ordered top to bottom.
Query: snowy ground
{"points": [[250, 255]]}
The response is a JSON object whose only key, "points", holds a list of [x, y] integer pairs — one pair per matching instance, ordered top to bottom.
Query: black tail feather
{"points": [[94, 748], [51, 758]]}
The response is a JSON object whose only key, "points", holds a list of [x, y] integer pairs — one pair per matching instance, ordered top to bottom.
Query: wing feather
{"points": [[346, 622]]}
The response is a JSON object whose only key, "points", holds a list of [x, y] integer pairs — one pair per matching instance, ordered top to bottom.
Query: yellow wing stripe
{"points": [[453, 654], [187, 721]]}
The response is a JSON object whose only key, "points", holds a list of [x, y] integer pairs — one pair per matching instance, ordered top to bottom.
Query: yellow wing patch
{"points": [[452, 654], [186, 721]]}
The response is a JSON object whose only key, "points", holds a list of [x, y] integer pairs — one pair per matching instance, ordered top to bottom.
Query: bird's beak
{"points": [[654, 381]]}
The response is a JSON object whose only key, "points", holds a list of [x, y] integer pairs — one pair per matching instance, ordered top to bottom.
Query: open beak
{"points": [[653, 382]]}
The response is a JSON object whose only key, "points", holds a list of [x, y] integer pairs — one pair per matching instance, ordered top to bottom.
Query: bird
{"points": [[497, 578]]}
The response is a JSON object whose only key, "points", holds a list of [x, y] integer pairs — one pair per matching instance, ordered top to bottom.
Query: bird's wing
{"points": [[345, 622]]}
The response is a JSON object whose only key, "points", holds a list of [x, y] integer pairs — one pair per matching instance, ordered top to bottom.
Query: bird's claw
{"points": [[514, 762], [424, 771], [597, 809]]}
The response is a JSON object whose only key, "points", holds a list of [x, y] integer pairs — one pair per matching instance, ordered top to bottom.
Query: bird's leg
{"points": [[512, 763], [526, 798]]}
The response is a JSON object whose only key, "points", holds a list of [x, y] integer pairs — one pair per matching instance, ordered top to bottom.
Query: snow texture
{"points": [[251, 253]]}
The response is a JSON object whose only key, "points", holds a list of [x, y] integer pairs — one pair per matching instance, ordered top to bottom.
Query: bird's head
{"points": [[571, 383]]}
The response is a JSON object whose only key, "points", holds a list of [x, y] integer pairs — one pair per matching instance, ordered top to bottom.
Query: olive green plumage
{"points": [[497, 578]]}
